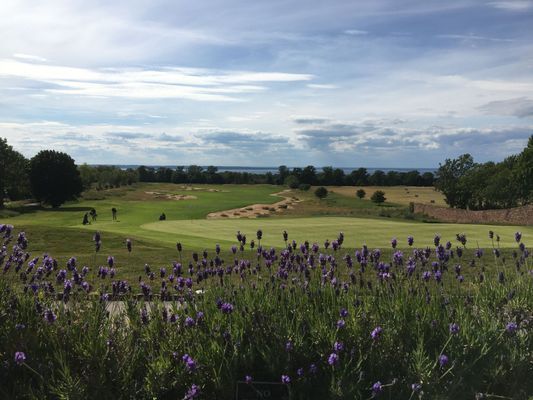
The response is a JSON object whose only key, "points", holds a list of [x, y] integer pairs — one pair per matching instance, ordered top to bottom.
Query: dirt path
{"points": [[256, 210]]}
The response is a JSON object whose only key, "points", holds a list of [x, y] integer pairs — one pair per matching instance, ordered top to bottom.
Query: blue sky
{"points": [[382, 83]]}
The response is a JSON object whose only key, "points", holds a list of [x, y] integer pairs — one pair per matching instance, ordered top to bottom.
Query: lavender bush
{"points": [[327, 322]]}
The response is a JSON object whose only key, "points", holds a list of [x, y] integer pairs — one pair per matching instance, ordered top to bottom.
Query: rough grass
{"points": [[396, 194]]}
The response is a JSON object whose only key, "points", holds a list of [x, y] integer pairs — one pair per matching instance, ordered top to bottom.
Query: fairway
{"points": [[357, 231]]}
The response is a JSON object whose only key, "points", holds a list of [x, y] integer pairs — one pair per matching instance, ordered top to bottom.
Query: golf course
{"points": [[308, 218]]}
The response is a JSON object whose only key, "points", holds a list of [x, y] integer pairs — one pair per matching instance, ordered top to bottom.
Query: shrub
{"points": [[292, 182], [304, 187], [321, 192], [360, 193], [378, 197]]}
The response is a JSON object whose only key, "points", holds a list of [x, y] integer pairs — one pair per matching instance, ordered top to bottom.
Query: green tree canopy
{"points": [[54, 177], [14, 182], [321, 192], [378, 197]]}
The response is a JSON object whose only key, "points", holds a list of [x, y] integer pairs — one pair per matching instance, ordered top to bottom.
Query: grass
{"points": [[396, 194], [312, 219], [373, 232]]}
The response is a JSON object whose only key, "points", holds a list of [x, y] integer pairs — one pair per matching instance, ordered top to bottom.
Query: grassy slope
{"points": [[374, 232]]}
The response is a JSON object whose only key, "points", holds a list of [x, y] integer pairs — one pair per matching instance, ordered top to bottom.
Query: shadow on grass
{"points": [[34, 208]]}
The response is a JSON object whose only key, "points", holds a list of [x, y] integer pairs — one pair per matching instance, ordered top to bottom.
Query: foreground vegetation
{"points": [[443, 321]]}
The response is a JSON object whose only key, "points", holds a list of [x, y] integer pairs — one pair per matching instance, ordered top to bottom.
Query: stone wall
{"points": [[515, 216]]}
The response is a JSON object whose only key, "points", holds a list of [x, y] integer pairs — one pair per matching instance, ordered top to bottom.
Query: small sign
{"points": [[257, 390]]}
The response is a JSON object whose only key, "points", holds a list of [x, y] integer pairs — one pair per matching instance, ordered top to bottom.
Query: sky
{"points": [[381, 83]]}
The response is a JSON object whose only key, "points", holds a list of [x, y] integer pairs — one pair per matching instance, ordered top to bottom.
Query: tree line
{"points": [[52, 177], [293, 178], [482, 186]]}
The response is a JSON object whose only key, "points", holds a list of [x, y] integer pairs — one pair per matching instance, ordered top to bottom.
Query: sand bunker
{"points": [[202, 189], [168, 196], [257, 210]]}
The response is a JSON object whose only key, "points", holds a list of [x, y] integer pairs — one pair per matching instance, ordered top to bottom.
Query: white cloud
{"points": [[512, 5], [355, 32], [29, 57], [185, 83], [321, 86]]}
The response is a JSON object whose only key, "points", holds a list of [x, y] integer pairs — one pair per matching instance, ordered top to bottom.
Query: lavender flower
{"points": [[518, 237], [410, 240], [394, 243], [226, 308], [343, 313], [49, 316], [341, 324], [511, 327], [454, 328], [376, 333], [289, 346], [338, 347], [20, 357], [333, 359], [443, 360], [190, 364], [313, 369], [248, 379], [285, 379], [416, 387], [377, 388], [193, 392]]}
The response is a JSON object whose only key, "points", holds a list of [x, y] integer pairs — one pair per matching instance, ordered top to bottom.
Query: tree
{"points": [[13, 173], [308, 175], [54, 177], [292, 182], [448, 182], [321, 192], [360, 193], [378, 197]]}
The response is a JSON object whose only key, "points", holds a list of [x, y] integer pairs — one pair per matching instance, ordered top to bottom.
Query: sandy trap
{"points": [[168, 196], [257, 210]]}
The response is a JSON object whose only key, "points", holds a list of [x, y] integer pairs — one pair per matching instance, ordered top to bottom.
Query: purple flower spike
{"points": [[226, 308], [454, 328], [511, 328], [376, 333], [289, 346], [20, 357], [333, 359], [443, 360], [248, 379], [285, 379], [377, 388], [193, 392]]}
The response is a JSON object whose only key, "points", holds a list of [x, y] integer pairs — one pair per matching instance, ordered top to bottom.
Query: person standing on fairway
{"points": [[114, 212]]}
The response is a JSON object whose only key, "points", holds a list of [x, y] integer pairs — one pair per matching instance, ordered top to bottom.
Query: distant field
{"points": [[396, 194], [139, 208]]}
